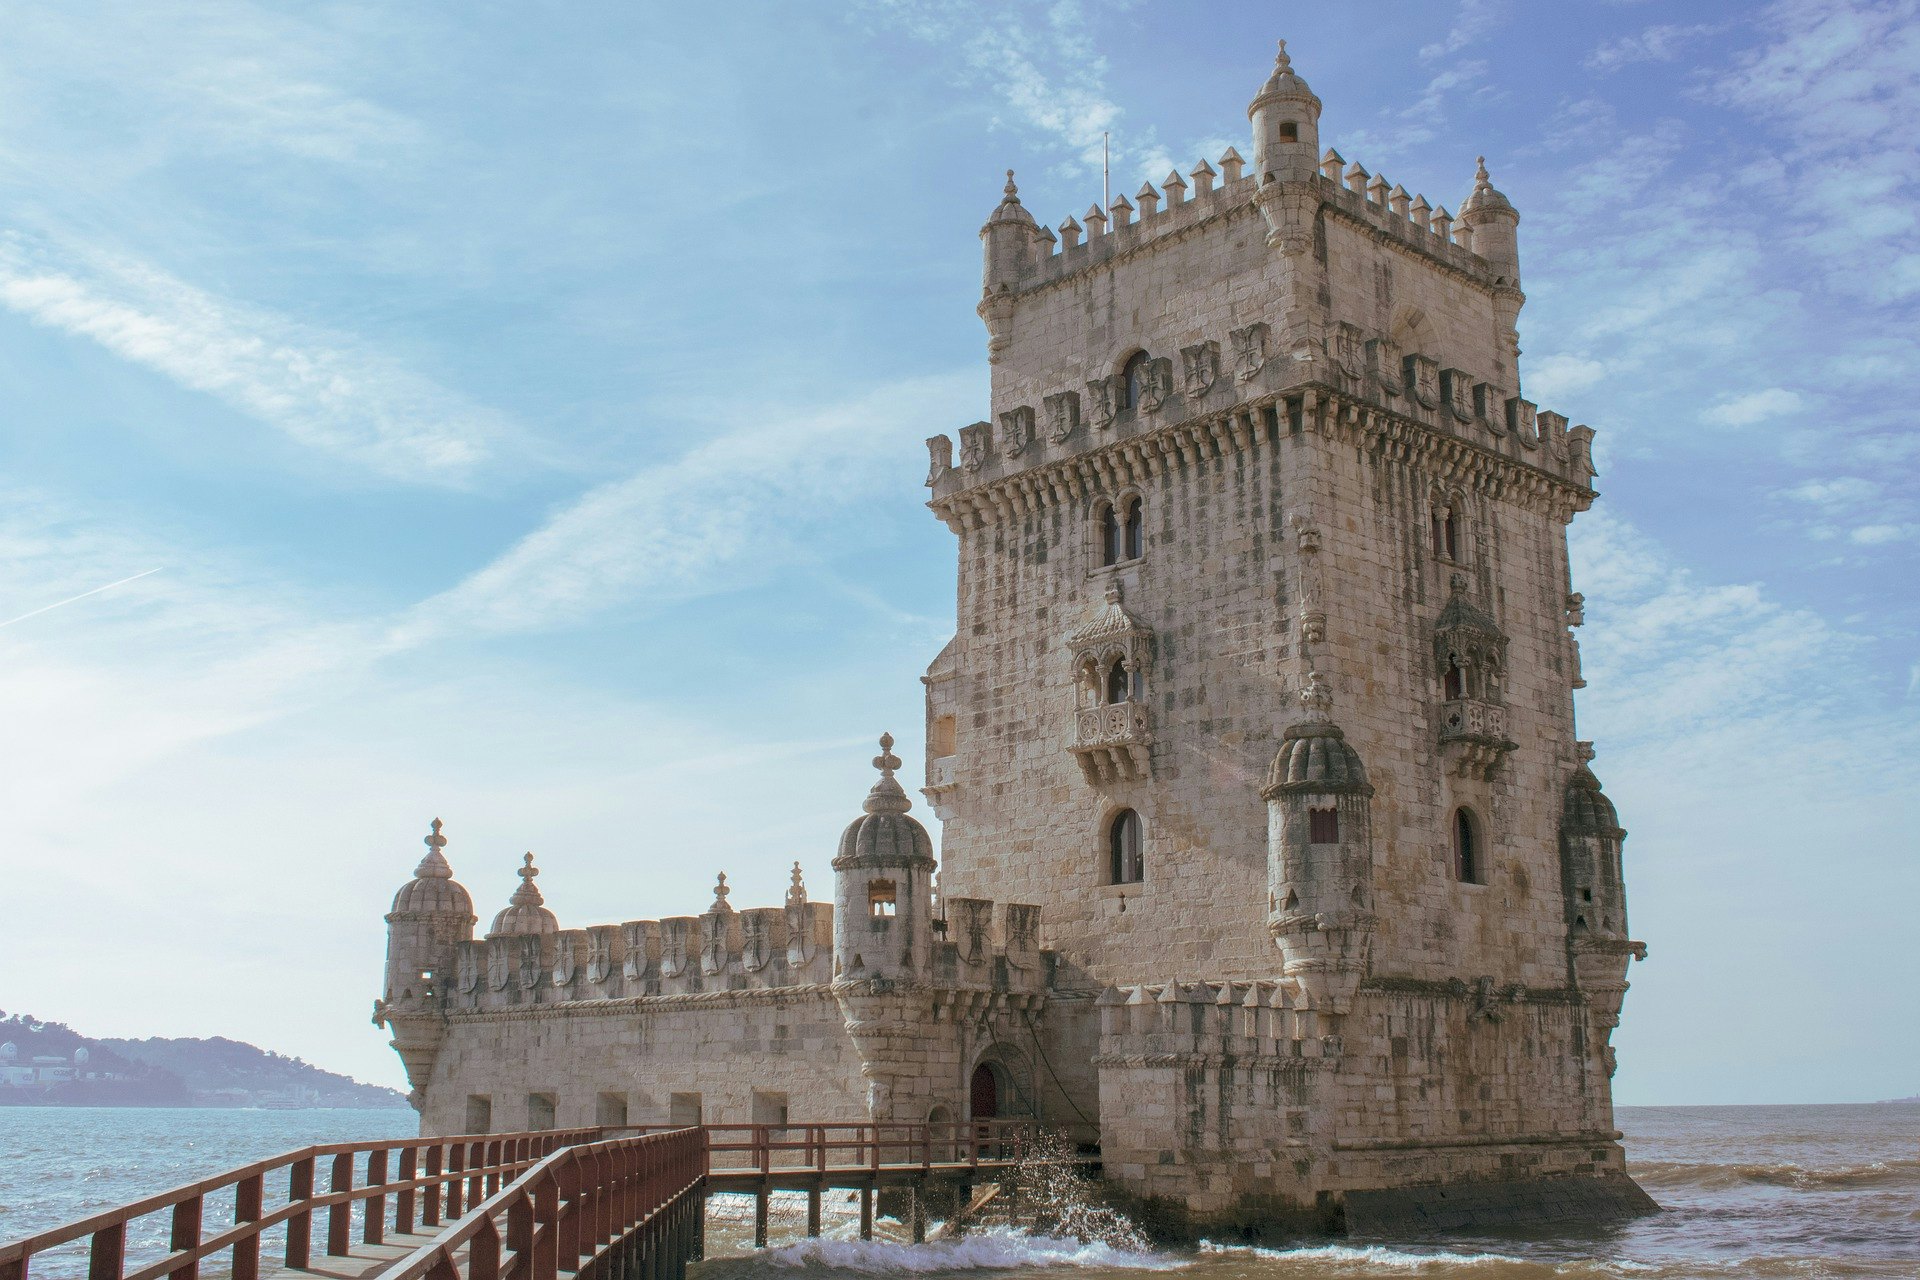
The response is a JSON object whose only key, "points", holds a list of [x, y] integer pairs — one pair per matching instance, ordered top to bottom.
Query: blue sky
{"points": [[515, 411]]}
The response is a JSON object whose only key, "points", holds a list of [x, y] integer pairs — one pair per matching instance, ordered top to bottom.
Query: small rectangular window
{"points": [[1289, 131], [944, 737], [1323, 826], [881, 902], [769, 1107], [540, 1109], [683, 1109], [610, 1110], [479, 1113]]}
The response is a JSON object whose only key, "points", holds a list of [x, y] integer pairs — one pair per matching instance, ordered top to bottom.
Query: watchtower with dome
{"points": [[1269, 857]]}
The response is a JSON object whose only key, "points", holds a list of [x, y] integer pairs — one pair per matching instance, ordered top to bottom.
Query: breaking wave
{"points": [[1719, 1177], [990, 1249], [1340, 1260]]}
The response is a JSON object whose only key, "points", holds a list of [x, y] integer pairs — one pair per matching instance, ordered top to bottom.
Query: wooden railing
{"points": [[795, 1148], [399, 1185], [610, 1210]]}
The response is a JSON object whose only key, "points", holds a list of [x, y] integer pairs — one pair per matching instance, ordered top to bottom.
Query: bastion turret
{"points": [[432, 915]]}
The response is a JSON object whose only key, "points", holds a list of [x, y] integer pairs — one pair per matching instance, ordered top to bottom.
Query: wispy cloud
{"points": [[1472, 22], [1660, 43], [327, 392], [1754, 406], [751, 503]]}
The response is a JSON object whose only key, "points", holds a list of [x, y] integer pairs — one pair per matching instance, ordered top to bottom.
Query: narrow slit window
{"points": [[1132, 374], [1134, 535], [1112, 539], [1456, 680], [1118, 685], [1466, 848], [1126, 857]]}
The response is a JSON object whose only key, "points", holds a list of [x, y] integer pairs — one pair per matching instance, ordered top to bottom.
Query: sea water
{"points": [[1789, 1191]]}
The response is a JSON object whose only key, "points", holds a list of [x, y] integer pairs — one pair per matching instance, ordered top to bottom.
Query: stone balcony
{"points": [[1473, 736], [1112, 743], [943, 779]]}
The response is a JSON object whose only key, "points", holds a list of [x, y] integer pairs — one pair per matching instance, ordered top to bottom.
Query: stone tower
{"points": [[1257, 450]]}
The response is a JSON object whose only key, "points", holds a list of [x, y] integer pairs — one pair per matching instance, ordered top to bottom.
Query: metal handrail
{"points": [[457, 1170]]}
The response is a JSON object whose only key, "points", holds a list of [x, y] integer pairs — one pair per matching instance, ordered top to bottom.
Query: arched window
{"points": [[1132, 374], [1446, 531], [1134, 533], [1112, 537], [1456, 680], [1119, 686], [1323, 826], [1466, 849], [1125, 856]]}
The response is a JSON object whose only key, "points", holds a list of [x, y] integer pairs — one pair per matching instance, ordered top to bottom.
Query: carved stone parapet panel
{"points": [[1473, 736], [1114, 743]]}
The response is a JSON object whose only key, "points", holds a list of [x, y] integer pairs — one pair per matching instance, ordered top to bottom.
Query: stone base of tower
{"points": [[1233, 1110]]}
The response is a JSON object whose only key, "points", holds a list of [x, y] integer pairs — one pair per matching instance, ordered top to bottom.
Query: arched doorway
{"points": [[983, 1093]]}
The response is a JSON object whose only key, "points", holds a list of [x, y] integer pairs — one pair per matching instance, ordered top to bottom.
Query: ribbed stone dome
{"points": [[1283, 83], [1485, 198], [1314, 756], [1318, 758], [1587, 811], [884, 833], [433, 890], [526, 912]]}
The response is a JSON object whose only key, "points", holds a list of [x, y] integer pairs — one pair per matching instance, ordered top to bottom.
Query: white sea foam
{"points": [[992, 1249], [1368, 1259]]}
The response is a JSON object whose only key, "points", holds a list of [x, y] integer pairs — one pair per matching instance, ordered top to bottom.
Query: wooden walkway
{"points": [[624, 1204]]}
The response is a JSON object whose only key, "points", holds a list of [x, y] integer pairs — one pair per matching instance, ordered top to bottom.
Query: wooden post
{"points": [[248, 1195], [405, 1201], [813, 1210], [917, 1210], [866, 1212], [340, 1216], [760, 1217], [300, 1225], [373, 1229], [186, 1235], [108, 1257]]}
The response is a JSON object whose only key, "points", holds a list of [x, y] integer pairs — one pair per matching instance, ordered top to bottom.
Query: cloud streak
{"points": [[326, 392]]}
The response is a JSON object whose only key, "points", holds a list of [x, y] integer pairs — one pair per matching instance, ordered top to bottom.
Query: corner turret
{"points": [[1286, 126], [1493, 223], [1009, 238], [1320, 856], [883, 887], [525, 914], [432, 915]]}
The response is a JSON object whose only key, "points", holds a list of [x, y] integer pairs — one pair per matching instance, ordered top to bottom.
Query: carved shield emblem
{"points": [[1249, 350], [1349, 357], [1200, 367], [1383, 367], [1423, 381], [1156, 384], [1456, 389], [1101, 403], [1063, 415], [1522, 421], [1016, 430], [973, 445], [939, 459], [756, 942], [639, 943], [713, 943], [800, 947], [673, 948], [599, 955], [499, 964], [565, 965], [469, 967], [530, 967]]}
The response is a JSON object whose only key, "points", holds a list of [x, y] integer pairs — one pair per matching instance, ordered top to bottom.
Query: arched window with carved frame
{"points": [[1133, 532]]}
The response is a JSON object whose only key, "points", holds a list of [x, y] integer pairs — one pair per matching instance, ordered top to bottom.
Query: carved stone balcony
{"points": [[1473, 736], [1113, 743], [943, 779]]}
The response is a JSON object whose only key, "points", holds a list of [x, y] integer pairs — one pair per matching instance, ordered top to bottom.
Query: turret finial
{"points": [[1282, 61], [1480, 176], [1012, 192], [1316, 699], [887, 795], [434, 865], [797, 891], [720, 892], [527, 895]]}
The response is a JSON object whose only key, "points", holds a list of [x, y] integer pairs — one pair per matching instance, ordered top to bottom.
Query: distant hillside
{"points": [[52, 1065]]}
